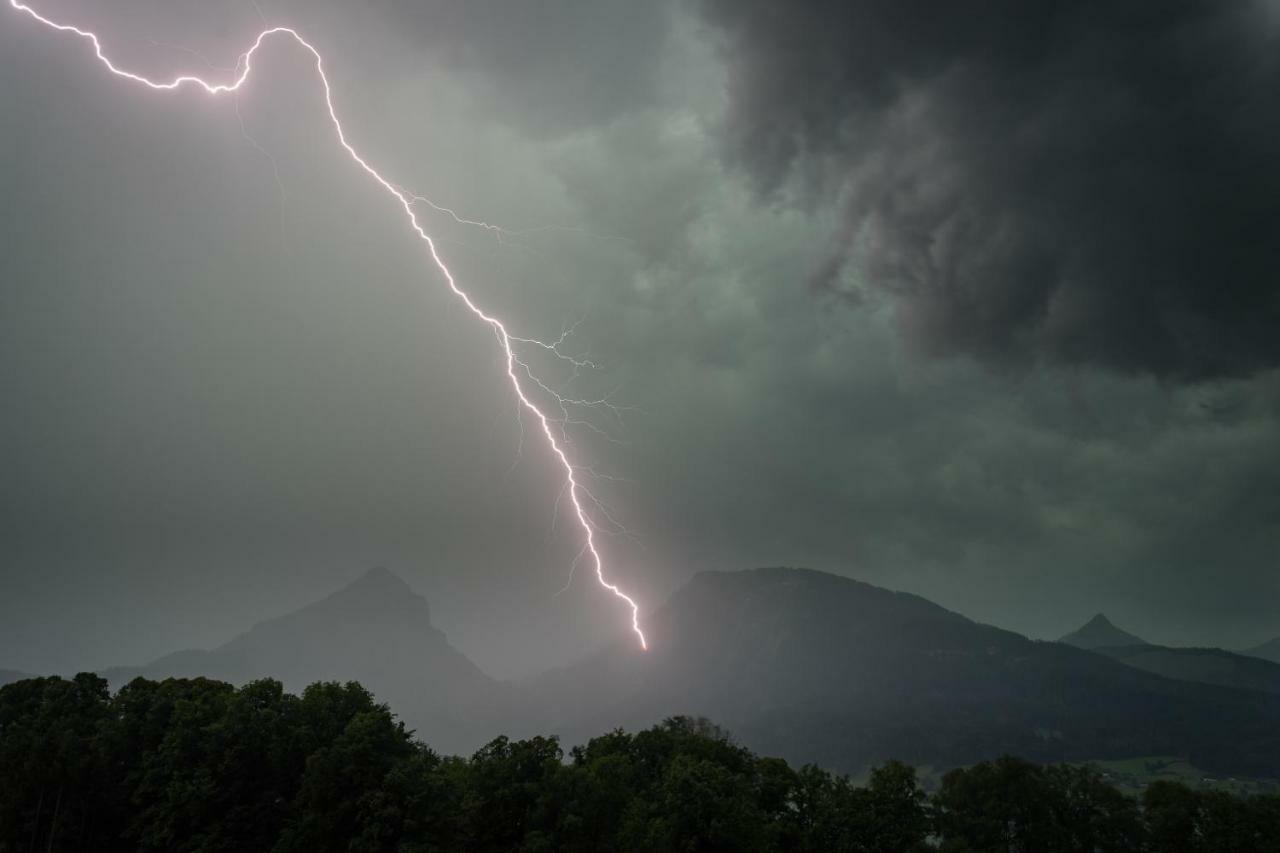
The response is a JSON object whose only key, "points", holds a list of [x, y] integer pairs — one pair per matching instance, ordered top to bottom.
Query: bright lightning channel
{"points": [[407, 201]]}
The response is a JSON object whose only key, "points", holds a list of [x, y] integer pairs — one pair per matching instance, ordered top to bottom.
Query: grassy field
{"points": [[1134, 774]]}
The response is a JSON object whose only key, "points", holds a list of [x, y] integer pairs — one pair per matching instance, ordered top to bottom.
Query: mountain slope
{"points": [[376, 631], [1099, 633], [1269, 650], [1208, 666], [815, 667], [8, 676]]}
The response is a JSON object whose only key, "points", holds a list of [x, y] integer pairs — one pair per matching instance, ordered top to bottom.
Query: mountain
{"points": [[376, 631], [1099, 633], [1269, 650], [1209, 666], [818, 668], [1250, 670], [8, 676]]}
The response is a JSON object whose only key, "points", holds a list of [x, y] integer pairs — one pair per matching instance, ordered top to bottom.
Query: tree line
{"points": [[199, 765]]}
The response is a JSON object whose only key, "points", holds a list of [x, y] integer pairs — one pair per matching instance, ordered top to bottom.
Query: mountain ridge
{"points": [[1270, 650], [806, 665], [1204, 665], [816, 667], [8, 676]]}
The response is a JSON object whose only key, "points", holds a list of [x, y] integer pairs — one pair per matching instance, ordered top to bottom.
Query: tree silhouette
{"points": [[198, 765]]}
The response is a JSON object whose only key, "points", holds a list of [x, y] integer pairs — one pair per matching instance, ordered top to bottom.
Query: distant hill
{"points": [[376, 631], [1099, 633], [1269, 650], [1208, 666], [819, 668], [1249, 670], [8, 676]]}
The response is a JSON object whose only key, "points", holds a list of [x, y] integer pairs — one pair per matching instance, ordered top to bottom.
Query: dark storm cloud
{"points": [[1075, 183]]}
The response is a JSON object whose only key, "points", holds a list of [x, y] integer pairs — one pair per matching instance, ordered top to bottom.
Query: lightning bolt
{"points": [[506, 341]]}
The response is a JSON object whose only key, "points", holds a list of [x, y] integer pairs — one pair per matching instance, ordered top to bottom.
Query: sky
{"points": [[975, 303]]}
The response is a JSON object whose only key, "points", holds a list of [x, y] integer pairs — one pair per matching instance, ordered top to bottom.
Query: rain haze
{"points": [[985, 313]]}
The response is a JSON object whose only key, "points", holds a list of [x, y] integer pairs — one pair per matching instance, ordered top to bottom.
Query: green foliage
{"points": [[197, 765], [56, 767], [1010, 805], [1182, 820]]}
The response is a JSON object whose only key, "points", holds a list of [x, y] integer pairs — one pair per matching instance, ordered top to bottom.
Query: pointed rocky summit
{"points": [[1099, 633]]}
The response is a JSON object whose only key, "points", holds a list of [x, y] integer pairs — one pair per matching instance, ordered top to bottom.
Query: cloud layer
{"points": [[1072, 183]]}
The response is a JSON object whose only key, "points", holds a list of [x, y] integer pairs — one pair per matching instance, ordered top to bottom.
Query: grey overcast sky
{"points": [[978, 301]]}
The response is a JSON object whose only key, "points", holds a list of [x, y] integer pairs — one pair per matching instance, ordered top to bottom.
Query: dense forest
{"points": [[199, 765]]}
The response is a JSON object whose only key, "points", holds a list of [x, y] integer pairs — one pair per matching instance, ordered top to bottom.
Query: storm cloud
{"points": [[1076, 183]]}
